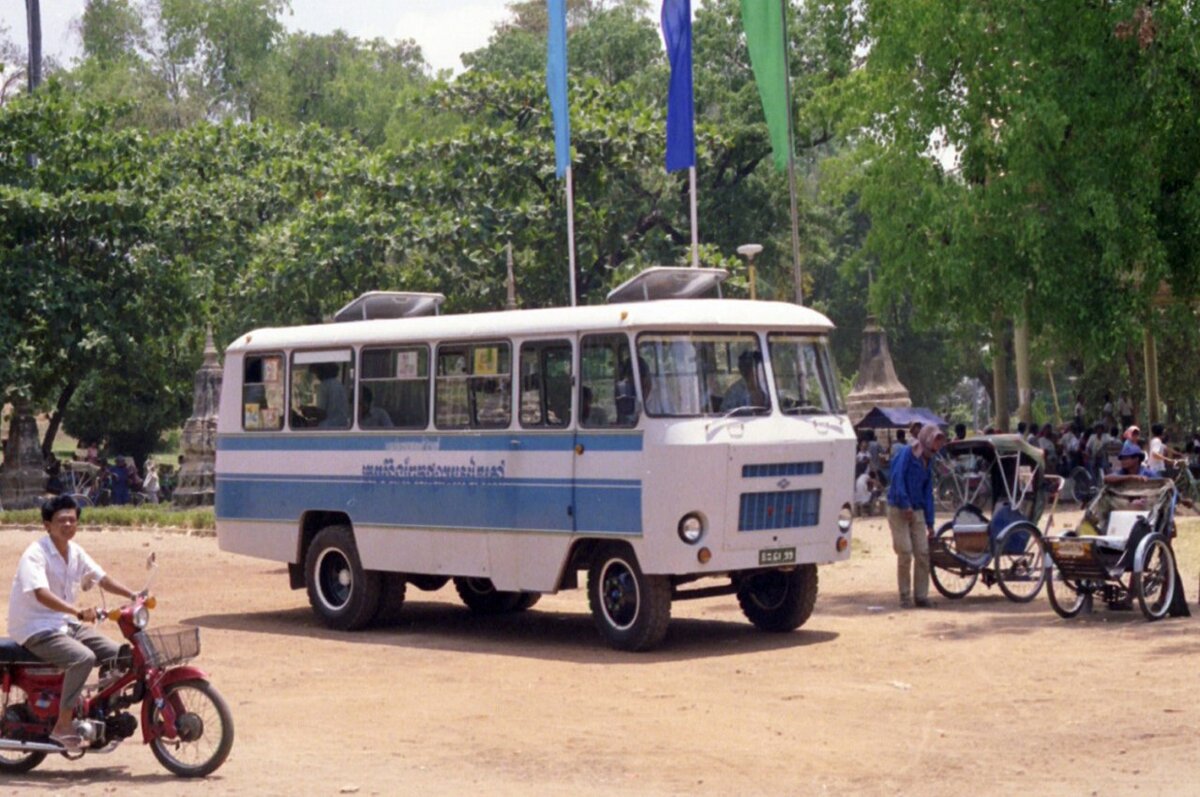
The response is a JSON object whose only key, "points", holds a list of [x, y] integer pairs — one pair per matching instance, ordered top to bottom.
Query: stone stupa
{"points": [[877, 384], [197, 480]]}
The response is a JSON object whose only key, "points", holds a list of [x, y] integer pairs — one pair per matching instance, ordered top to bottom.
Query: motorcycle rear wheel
{"points": [[204, 734], [13, 762]]}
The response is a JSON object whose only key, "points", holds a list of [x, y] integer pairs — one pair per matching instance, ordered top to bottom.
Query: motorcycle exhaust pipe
{"points": [[30, 747]]}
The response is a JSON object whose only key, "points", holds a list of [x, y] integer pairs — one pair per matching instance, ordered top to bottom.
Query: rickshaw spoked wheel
{"points": [[1020, 562], [949, 582], [1154, 582], [1065, 598]]}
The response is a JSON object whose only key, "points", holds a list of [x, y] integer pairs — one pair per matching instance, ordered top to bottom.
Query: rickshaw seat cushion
{"points": [[1005, 516], [1120, 525]]}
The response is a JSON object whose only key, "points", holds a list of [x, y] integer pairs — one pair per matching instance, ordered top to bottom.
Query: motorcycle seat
{"points": [[12, 652]]}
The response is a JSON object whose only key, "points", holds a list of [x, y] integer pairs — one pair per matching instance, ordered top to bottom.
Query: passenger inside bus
{"points": [[745, 392], [331, 397], [371, 416]]}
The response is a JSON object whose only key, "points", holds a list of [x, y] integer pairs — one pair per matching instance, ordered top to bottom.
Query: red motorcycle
{"points": [[184, 719]]}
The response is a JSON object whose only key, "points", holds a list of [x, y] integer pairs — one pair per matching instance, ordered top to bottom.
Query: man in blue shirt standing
{"points": [[911, 489]]}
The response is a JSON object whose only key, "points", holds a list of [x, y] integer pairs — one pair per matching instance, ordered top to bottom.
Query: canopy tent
{"points": [[898, 418]]}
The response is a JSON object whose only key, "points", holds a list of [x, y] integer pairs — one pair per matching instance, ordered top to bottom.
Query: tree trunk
{"points": [[1150, 356], [999, 373], [1024, 375], [60, 408]]}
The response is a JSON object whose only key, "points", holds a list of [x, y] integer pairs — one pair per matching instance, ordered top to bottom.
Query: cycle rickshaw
{"points": [[994, 536], [1121, 550]]}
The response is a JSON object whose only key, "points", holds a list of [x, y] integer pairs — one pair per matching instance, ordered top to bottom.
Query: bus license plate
{"points": [[1070, 550], [777, 556]]}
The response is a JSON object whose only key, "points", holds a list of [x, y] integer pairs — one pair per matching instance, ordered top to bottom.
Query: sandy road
{"points": [[977, 696]]}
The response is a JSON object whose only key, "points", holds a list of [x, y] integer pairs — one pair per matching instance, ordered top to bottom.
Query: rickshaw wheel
{"points": [[1021, 573], [1154, 583], [951, 584], [1066, 600]]}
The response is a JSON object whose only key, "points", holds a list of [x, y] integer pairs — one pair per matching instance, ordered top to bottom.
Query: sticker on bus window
{"points": [[487, 361], [407, 365], [271, 369], [253, 419]]}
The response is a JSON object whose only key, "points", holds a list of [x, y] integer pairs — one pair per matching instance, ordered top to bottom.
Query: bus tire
{"points": [[393, 588], [342, 593], [482, 597], [779, 600], [631, 610]]}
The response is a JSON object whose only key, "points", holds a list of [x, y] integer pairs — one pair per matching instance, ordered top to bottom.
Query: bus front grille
{"points": [[779, 510]]}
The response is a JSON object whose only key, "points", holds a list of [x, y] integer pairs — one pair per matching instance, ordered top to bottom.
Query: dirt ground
{"points": [[979, 695]]}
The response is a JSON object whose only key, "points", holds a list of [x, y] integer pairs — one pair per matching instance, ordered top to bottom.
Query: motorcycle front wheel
{"points": [[203, 730]]}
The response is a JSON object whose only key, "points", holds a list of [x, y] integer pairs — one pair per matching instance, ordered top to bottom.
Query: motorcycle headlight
{"points": [[845, 518], [691, 528], [141, 617]]}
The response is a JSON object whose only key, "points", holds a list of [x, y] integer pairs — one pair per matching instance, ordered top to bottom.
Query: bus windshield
{"points": [[702, 373], [805, 378]]}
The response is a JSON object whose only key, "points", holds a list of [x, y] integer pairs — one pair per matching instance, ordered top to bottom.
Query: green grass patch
{"points": [[146, 516]]}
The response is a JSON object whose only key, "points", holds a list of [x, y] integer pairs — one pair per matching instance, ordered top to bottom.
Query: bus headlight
{"points": [[845, 518], [691, 528]]}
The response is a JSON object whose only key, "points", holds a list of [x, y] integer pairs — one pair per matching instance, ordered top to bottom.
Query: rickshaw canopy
{"points": [[1016, 469]]}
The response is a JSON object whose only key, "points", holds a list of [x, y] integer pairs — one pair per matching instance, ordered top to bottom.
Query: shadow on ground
{"points": [[552, 635]]}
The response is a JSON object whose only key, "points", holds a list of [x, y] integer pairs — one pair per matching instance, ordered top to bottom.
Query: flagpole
{"points": [[787, 72], [695, 226], [571, 229]]}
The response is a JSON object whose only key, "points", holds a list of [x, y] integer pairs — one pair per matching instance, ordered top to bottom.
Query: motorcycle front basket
{"points": [[171, 645]]}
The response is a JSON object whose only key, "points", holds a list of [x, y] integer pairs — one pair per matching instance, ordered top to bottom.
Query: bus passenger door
{"points": [[607, 462], [538, 471]]}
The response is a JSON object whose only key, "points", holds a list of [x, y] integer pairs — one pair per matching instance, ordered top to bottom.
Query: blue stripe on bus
{"points": [[463, 441], [603, 506]]}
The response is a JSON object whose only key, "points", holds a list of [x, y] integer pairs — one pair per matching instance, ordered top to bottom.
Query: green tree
{"points": [[80, 293]]}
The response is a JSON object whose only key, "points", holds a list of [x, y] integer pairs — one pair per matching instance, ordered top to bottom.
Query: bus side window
{"points": [[545, 383], [605, 385], [474, 386], [393, 390], [262, 393], [321, 393]]}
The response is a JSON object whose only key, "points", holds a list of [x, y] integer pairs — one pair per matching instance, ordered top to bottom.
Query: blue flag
{"points": [[556, 83], [681, 113]]}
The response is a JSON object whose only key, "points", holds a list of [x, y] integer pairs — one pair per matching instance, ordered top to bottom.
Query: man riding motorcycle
{"points": [[43, 613]]}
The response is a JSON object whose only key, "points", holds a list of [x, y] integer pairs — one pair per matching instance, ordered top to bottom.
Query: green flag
{"points": [[763, 20]]}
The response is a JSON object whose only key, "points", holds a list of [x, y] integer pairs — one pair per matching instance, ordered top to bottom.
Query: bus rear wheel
{"points": [[343, 594], [779, 600], [631, 609]]}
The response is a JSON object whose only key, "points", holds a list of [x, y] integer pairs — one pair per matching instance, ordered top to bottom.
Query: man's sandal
{"points": [[68, 741]]}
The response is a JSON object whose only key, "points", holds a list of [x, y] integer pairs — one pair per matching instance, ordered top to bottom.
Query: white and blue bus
{"points": [[672, 448]]}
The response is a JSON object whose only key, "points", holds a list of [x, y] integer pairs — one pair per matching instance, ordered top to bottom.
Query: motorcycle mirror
{"points": [[152, 561], [88, 581]]}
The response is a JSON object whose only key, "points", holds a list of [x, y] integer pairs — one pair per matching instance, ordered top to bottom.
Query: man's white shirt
{"points": [[41, 566]]}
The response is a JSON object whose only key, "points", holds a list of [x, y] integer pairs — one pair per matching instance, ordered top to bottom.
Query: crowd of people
{"points": [[89, 475]]}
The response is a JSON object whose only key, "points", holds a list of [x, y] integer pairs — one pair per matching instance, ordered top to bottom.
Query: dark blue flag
{"points": [[556, 83], [681, 114]]}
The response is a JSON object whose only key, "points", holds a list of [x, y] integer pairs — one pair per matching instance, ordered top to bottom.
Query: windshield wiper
{"points": [[745, 408], [804, 409]]}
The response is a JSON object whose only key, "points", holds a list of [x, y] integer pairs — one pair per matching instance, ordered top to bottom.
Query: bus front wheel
{"points": [[343, 594], [779, 600], [631, 609]]}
